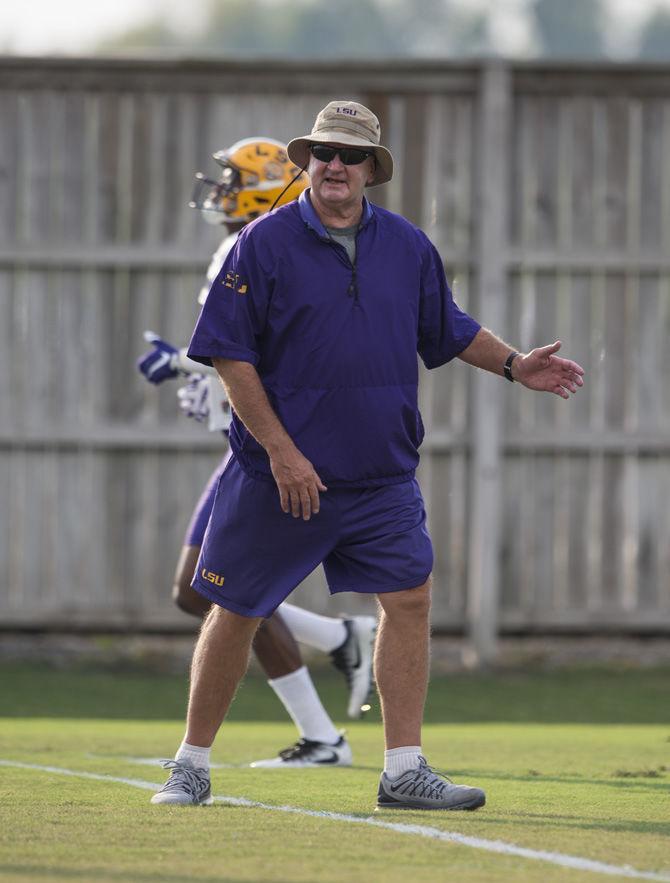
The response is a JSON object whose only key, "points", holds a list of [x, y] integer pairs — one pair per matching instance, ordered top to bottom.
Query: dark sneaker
{"points": [[354, 659], [306, 753], [186, 786], [423, 788]]}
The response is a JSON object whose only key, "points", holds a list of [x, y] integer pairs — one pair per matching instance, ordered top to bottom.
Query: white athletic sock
{"points": [[325, 633], [298, 695], [196, 756], [398, 760]]}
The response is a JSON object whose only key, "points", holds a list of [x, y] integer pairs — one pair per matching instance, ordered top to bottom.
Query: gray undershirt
{"points": [[345, 236]]}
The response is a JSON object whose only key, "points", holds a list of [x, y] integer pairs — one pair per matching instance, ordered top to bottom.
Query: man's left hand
{"points": [[543, 370]]}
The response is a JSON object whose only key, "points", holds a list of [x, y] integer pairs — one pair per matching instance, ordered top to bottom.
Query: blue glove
{"points": [[160, 363], [194, 398]]}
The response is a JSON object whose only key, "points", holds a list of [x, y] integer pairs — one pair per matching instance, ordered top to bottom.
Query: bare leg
{"points": [[185, 597], [274, 645], [276, 648], [221, 657], [220, 660], [401, 663]]}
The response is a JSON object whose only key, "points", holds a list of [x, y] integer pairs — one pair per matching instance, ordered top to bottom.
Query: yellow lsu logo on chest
{"points": [[233, 281], [212, 577]]}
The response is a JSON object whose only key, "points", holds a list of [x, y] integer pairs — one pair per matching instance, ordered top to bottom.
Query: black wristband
{"points": [[507, 367]]}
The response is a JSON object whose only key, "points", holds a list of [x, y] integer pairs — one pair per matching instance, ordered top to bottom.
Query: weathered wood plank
{"points": [[9, 165], [614, 206], [8, 368], [485, 487]]}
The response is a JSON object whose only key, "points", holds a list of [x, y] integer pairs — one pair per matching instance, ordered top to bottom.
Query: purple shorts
{"points": [[195, 531], [370, 540]]}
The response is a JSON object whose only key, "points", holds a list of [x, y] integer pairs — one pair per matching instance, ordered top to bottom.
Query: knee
{"points": [[181, 599], [187, 599], [408, 603], [220, 619], [267, 635], [262, 637]]}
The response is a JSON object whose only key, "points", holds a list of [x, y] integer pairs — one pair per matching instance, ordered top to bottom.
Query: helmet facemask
{"points": [[254, 174]]}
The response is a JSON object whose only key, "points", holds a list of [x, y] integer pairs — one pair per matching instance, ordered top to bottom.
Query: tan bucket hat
{"points": [[350, 123]]}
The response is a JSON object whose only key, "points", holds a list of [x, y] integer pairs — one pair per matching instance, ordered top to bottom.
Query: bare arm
{"points": [[540, 369], [296, 478]]}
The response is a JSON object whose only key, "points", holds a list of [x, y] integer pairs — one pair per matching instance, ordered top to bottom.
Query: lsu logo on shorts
{"points": [[212, 577]]}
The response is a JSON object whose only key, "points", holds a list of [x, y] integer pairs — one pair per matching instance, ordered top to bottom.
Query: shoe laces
{"points": [[185, 778], [423, 781]]}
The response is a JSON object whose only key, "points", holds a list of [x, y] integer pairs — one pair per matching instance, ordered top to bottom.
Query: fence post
{"points": [[485, 478]]}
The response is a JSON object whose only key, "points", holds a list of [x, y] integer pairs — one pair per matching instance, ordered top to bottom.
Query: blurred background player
{"points": [[257, 175]]}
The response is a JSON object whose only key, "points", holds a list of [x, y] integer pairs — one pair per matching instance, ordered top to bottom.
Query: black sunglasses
{"points": [[350, 156]]}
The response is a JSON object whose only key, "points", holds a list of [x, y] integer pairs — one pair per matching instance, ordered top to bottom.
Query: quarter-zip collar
{"points": [[313, 221]]}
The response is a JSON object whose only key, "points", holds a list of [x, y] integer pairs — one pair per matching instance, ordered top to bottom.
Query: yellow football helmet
{"points": [[255, 172]]}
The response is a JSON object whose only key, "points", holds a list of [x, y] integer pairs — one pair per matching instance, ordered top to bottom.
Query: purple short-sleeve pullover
{"points": [[335, 345]]}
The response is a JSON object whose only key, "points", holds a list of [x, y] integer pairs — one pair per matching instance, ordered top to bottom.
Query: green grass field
{"points": [[574, 762]]}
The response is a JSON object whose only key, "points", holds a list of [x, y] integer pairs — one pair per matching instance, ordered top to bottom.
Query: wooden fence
{"points": [[547, 191]]}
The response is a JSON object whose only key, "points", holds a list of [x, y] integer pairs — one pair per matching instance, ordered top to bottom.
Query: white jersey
{"points": [[216, 263], [219, 407]]}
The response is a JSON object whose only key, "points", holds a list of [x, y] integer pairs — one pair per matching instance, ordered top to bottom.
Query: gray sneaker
{"points": [[354, 659], [187, 786], [423, 788]]}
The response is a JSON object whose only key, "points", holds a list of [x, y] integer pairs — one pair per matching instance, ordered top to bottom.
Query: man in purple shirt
{"points": [[314, 324]]}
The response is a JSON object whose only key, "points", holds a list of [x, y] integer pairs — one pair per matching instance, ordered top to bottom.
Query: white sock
{"points": [[325, 633], [298, 695], [196, 756], [398, 760]]}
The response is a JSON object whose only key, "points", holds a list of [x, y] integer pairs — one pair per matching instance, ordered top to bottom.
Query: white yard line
{"points": [[159, 761], [555, 858]]}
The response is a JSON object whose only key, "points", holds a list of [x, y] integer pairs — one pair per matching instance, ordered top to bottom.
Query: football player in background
{"points": [[256, 174]]}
